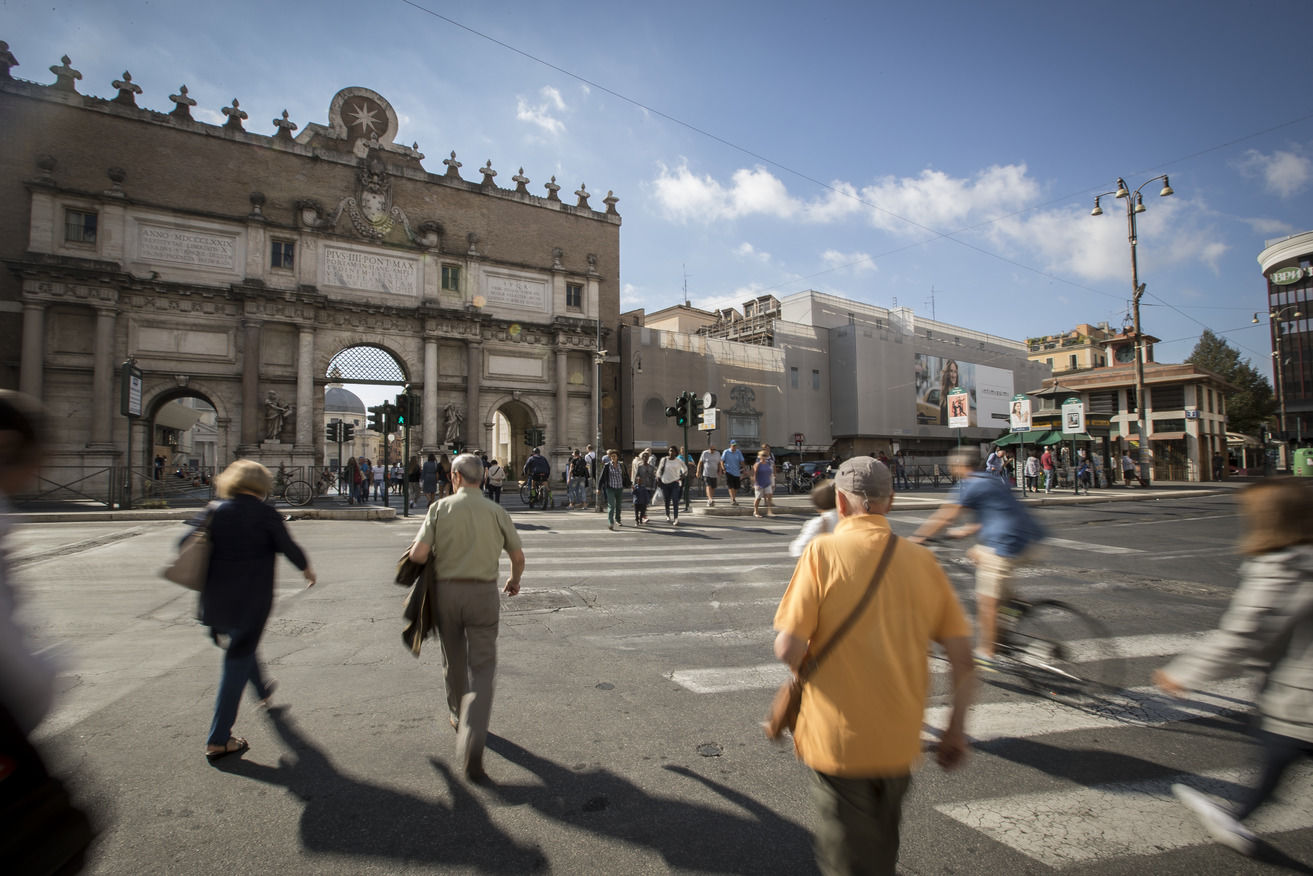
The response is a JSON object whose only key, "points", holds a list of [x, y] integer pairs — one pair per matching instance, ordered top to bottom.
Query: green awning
{"points": [[1040, 436], [1015, 438]]}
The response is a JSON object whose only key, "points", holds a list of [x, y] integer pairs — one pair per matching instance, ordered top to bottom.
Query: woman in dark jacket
{"points": [[246, 536]]}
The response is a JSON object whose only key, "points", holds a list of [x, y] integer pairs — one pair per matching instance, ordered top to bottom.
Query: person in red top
{"points": [[1046, 463]]}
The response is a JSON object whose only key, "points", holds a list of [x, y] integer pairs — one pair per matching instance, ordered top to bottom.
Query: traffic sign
{"points": [[708, 423]]}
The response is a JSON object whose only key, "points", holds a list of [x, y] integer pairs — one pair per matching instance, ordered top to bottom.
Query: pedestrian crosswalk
{"points": [[712, 638]]}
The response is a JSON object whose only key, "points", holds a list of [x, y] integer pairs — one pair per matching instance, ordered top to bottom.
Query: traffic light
{"points": [[695, 408], [403, 409], [681, 409], [378, 418], [333, 433], [348, 433], [528, 437]]}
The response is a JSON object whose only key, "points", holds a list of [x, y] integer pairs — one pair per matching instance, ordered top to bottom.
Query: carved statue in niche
{"points": [[275, 416], [452, 417]]}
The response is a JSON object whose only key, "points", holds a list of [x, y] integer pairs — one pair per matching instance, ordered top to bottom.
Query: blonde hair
{"points": [[244, 476], [1278, 513]]}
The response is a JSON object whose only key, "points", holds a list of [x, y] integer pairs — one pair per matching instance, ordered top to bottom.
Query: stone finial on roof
{"points": [[7, 60], [65, 76], [128, 90], [182, 103], [236, 115], [285, 127], [45, 163], [453, 166], [488, 174], [116, 177], [521, 182], [552, 189], [582, 194], [611, 200]]}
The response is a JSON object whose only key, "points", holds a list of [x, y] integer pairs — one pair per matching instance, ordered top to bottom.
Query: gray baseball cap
{"points": [[864, 476]]}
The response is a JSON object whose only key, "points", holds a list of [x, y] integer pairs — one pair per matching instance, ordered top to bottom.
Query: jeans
{"points": [[575, 491], [672, 494], [613, 497], [240, 666], [1279, 754]]}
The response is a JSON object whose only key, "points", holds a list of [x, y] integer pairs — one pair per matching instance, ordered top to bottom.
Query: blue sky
{"points": [[876, 151]]}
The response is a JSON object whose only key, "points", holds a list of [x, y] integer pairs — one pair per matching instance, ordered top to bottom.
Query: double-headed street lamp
{"points": [[1135, 204], [1275, 317]]}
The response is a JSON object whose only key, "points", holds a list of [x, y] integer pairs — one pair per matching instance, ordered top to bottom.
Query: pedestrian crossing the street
{"points": [[715, 640]]}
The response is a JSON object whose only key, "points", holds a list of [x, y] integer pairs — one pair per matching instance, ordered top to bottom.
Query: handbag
{"points": [[192, 564], [788, 698]]}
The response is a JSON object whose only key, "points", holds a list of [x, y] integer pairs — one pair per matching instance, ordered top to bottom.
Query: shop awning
{"points": [[1166, 436], [1016, 438]]}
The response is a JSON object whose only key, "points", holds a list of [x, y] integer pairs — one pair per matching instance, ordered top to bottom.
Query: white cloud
{"points": [[541, 114], [1284, 173], [682, 196], [746, 250], [854, 262]]}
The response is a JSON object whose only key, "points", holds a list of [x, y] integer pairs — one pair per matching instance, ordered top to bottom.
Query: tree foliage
{"points": [[1249, 400]]}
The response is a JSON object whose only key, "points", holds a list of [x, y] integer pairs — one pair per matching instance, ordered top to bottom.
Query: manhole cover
{"points": [[710, 749]]}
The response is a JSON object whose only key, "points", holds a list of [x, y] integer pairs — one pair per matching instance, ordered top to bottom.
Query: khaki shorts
{"points": [[994, 573]]}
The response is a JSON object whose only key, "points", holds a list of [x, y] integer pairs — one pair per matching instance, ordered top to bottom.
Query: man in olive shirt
{"points": [[465, 534]]}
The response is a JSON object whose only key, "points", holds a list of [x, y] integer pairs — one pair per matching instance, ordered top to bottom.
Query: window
{"points": [[79, 226], [283, 255], [450, 278], [574, 296], [1049, 361], [1072, 366], [793, 378], [816, 379], [1168, 398]]}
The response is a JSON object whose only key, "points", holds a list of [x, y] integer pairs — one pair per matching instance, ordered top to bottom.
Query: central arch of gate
{"points": [[482, 381]]}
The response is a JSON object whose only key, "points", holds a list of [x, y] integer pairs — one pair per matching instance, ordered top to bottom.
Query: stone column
{"points": [[32, 362], [102, 380], [305, 389], [430, 403], [252, 421], [474, 432], [560, 438]]}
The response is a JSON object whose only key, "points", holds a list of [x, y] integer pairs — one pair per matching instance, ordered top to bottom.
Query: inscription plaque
{"points": [[193, 248], [370, 271], [516, 292]]}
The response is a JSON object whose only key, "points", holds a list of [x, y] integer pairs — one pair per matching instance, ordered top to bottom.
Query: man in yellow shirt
{"points": [[466, 533], [859, 726]]}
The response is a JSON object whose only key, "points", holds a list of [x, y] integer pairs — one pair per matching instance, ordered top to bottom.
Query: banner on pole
{"points": [[1019, 414]]}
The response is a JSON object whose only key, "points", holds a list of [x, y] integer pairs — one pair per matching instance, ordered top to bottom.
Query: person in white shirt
{"points": [[709, 470], [670, 477], [824, 521]]}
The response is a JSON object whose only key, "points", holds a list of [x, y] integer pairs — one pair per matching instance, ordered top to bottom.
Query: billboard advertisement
{"points": [[989, 391]]}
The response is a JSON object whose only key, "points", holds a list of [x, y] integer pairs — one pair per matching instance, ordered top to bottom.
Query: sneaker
{"points": [[711, 504], [675, 522], [611, 526], [985, 663], [1220, 824]]}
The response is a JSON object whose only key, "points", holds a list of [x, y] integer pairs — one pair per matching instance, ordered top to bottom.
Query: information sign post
{"points": [[130, 407], [959, 411], [1019, 420]]}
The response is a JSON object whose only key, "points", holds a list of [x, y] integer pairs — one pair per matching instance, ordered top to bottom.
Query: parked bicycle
{"points": [[293, 491]]}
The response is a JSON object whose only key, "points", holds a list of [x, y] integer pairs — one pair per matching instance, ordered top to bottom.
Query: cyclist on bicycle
{"points": [[538, 471], [1009, 537]]}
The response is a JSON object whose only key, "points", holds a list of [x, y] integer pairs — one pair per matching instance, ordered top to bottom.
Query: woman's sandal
{"points": [[235, 745]]}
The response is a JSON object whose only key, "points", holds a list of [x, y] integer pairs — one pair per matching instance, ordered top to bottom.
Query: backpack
{"points": [[578, 467]]}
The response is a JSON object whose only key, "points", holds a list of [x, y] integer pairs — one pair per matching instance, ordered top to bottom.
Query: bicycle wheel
{"points": [[298, 493], [526, 495], [1062, 653]]}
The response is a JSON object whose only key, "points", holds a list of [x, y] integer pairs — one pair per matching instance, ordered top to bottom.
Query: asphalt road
{"points": [[634, 671]]}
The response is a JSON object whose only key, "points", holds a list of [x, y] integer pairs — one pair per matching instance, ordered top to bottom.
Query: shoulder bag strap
{"points": [[809, 664]]}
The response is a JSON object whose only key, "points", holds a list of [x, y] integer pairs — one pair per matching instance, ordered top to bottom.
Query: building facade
{"points": [[1287, 265], [239, 268], [1080, 349], [823, 376]]}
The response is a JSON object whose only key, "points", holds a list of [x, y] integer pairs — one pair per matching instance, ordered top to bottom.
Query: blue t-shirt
{"points": [[732, 459], [1006, 526]]}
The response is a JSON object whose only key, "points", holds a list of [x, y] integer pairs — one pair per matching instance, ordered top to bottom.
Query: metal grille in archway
{"points": [[366, 365]]}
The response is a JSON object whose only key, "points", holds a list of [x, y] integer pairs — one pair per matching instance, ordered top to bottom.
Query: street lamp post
{"points": [[1134, 205], [1275, 317], [598, 358]]}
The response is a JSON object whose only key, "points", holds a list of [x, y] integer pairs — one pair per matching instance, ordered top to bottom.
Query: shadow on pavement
{"points": [[346, 816], [687, 835]]}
